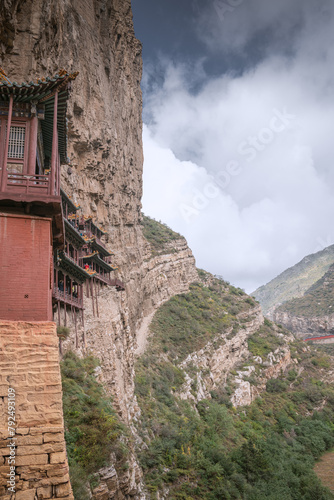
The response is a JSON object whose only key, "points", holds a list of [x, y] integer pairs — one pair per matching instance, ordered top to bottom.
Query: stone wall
{"points": [[29, 368]]}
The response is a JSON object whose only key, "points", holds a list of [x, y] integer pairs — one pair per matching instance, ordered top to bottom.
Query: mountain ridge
{"points": [[294, 281]]}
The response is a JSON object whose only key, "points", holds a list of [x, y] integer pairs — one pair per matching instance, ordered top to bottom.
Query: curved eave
{"points": [[43, 92], [68, 200], [98, 228], [74, 234], [101, 249], [97, 259], [72, 268]]}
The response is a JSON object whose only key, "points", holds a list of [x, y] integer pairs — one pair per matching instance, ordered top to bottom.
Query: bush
{"points": [[158, 234], [63, 332], [276, 385], [92, 429]]}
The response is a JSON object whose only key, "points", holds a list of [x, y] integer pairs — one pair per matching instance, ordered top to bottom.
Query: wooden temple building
{"points": [[48, 250]]}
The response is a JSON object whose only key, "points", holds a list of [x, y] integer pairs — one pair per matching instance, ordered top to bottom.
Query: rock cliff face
{"points": [[96, 38], [312, 314], [303, 326], [216, 363]]}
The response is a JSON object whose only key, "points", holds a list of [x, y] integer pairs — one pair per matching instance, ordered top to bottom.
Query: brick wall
{"points": [[25, 263], [29, 365]]}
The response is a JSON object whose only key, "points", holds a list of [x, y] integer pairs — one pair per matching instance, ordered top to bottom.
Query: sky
{"points": [[238, 129]]}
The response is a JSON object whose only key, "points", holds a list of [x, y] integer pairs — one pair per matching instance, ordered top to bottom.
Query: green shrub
{"points": [[158, 234], [63, 331], [264, 341], [276, 385], [92, 429]]}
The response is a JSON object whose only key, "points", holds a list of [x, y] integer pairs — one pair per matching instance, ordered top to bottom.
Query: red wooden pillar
{"points": [[33, 146], [54, 153], [5, 156], [58, 173], [92, 292], [97, 304], [58, 312], [76, 330]]}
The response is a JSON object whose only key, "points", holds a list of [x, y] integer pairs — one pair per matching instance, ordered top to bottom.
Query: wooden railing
{"points": [[28, 184], [102, 278], [118, 284], [67, 298]]}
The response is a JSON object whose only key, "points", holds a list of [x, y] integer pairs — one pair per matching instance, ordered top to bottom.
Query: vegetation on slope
{"points": [[158, 235], [295, 281], [317, 301], [187, 322], [92, 429], [210, 450]]}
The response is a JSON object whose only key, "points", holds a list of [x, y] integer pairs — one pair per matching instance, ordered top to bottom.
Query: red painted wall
{"points": [[25, 268]]}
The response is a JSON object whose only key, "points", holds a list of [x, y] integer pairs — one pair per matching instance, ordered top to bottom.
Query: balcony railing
{"points": [[28, 184], [102, 278], [118, 284], [67, 298]]}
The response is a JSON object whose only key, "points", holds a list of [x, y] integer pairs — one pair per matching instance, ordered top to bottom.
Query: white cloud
{"points": [[275, 201]]}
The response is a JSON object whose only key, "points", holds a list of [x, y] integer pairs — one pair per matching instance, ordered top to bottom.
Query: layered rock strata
{"points": [[304, 327], [215, 363]]}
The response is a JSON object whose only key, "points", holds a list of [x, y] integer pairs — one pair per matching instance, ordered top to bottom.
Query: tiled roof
{"points": [[43, 92]]}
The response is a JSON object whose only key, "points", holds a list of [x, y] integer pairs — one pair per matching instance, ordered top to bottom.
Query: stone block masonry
{"points": [[30, 378]]}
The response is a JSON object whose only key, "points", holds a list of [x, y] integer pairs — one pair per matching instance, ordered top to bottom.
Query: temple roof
{"points": [[42, 93], [67, 199], [98, 227], [73, 235], [101, 248], [97, 259], [71, 267]]}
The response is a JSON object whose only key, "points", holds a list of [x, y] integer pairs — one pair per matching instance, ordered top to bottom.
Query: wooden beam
{"points": [[33, 146], [54, 153], [5, 156], [92, 291], [97, 304], [76, 330]]}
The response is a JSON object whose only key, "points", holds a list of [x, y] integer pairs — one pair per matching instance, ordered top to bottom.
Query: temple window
{"points": [[16, 142]]}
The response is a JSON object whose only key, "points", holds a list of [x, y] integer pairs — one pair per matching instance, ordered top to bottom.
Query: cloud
{"points": [[245, 26], [243, 165]]}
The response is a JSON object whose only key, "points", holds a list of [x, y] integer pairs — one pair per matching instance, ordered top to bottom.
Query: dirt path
{"points": [[143, 334], [324, 470]]}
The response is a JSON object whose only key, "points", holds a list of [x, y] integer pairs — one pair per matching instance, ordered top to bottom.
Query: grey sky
{"points": [[239, 109]]}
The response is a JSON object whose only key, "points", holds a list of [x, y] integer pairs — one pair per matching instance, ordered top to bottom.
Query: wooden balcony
{"points": [[28, 184], [23, 186], [104, 279], [120, 287], [67, 298]]}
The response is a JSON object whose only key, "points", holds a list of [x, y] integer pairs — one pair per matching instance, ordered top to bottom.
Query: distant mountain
{"points": [[295, 281], [318, 300], [313, 314]]}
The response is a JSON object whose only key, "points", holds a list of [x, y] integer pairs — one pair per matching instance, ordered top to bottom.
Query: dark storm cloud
{"points": [[241, 162]]}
